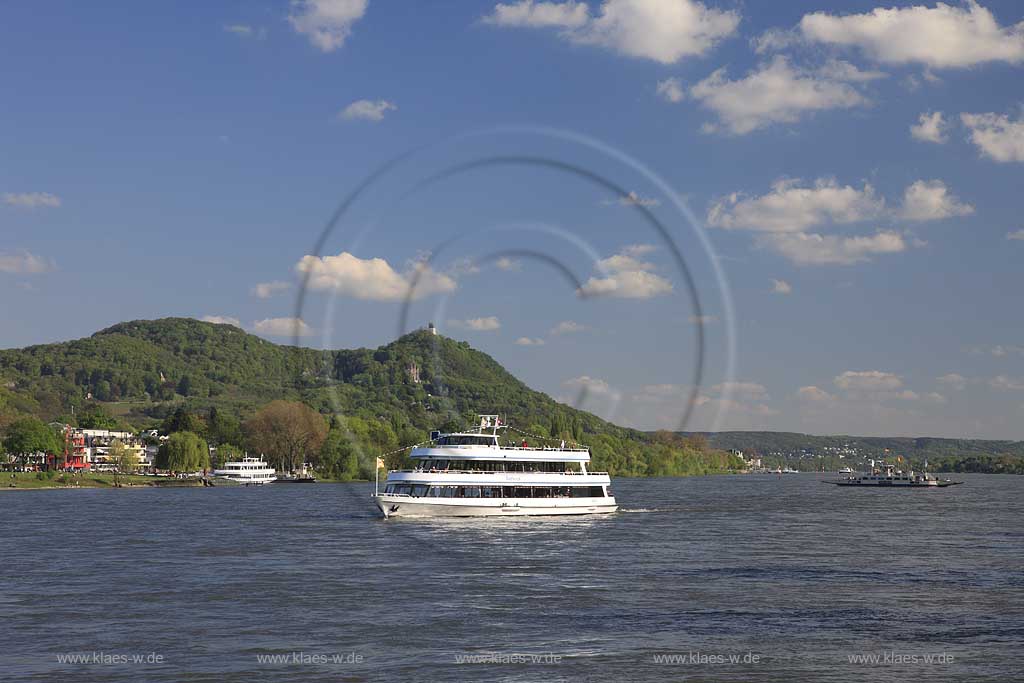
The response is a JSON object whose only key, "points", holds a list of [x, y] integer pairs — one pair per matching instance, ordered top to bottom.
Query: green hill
{"points": [[143, 371]]}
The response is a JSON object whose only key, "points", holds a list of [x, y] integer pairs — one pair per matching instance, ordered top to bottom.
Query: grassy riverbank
{"points": [[41, 480]]}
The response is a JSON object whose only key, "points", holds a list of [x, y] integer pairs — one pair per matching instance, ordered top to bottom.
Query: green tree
{"points": [[183, 420], [222, 428], [287, 432], [28, 435], [183, 452], [223, 453], [122, 458]]}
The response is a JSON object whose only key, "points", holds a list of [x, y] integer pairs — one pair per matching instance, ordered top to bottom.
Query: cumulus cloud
{"points": [[530, 14], [326, 23], [246, 31], [664, 31], [944, 36], [671, 90], [775, 92], [367, 110], [930, 127], [996, 136], [633, 199], [31, 200], [929, 200], [793, 207], [787, 214], [1015, 235], [805, 248], [25, 262], [507, 264], [625, 276], [372, 279], [781, 287], [265, 290], [221, 320], [488, 324], [282, 327], [568, 327], [530, 341], [868, 380], [953, 381], [1005, 383], [592, 385], [747, 391], [813, 394]]}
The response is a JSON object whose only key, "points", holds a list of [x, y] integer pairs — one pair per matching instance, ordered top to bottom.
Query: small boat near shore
{"points": [[247, 472]]}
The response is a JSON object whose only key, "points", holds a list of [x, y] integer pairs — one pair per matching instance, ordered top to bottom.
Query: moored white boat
{"points": [[247, 471], [472, 473]]}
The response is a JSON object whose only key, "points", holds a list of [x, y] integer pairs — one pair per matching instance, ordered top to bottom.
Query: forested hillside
{"points": [[143, 373]]}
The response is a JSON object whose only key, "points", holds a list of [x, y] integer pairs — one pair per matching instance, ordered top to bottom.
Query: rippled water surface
{"points": [[791, 572]]}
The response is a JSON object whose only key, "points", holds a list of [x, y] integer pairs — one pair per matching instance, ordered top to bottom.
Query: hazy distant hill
{"points": [[804, 449]]}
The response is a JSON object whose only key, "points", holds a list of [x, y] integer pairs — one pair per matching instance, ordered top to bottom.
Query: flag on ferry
{"points": [[380, 463]]}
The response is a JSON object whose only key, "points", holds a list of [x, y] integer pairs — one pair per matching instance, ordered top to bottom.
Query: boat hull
{"points": [[897, 485], [406, 506]]}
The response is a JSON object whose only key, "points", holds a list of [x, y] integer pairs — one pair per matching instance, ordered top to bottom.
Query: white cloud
{"points": [[530, 14], [327, 23], [661, 30], [246, 31], [940, 36], [671, 89], [774, 93], [367, 110], [930, 127], [996, 135], [633, 199], [31, 200], [929, 200], [791, 207], [1015, 235], [638, 249], [812, 249], [25, 262], [507, 264], [626, 277], [372, 279], [781, 287], [265, 290], [221, 320], [488, 324], [282, 327], [568, 327], [528, 341], [868, 380], [953, 381], [1005, 383], [592, 385], [745, 391], [813, 394], [933, 397]]}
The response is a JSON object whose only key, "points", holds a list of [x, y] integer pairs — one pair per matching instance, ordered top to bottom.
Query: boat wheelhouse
{"points": [[247, 471], [485, 473]]}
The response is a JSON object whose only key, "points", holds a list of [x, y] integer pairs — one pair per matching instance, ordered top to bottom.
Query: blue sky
{"points": [[848, 178]]}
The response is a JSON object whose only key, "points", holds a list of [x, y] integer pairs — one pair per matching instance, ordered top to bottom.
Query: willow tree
{"points": [[286, 432]]}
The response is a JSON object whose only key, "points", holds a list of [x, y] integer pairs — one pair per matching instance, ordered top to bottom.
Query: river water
{"points": [[732, 578]]}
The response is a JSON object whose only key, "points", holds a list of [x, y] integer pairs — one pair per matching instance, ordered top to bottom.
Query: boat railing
{"points": [[509, 448]]}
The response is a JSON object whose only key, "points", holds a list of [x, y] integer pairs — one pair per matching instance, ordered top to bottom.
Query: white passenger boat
{"points": [[247, 471], [467, 474], [885, 474]]}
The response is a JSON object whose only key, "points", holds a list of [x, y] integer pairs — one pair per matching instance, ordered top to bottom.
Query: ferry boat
{"points": [[846, 470], [247, 471], [473, 473], [886, 474]]}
